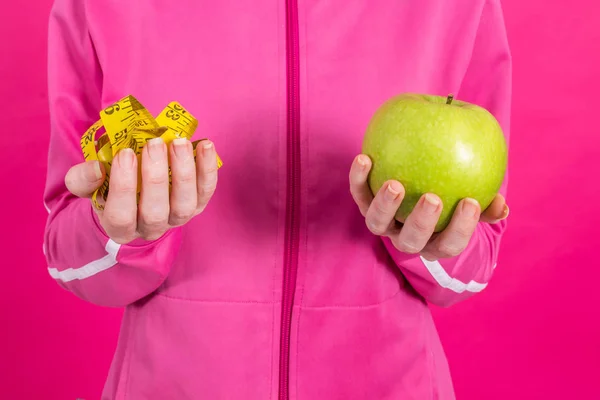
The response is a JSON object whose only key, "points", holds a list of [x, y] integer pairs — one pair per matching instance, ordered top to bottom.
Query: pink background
{"points": [[533, 334]]}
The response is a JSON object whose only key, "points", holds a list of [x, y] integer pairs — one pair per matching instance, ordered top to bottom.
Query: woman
{"points": [[287, 281]]}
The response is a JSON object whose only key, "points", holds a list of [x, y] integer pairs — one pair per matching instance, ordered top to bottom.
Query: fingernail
{"points": [[207, 146], [180, 148], [156, 149], [126, 158], [361, 161], [97, 170], [391, 194], [431, 203], [470, 207], [505, 212]]}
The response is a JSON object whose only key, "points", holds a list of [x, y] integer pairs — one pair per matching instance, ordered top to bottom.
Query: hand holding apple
{"points": [[432, 164], [416, 234]]}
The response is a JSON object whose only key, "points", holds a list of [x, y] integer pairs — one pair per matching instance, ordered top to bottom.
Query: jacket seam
{"points": [[97, 62], [468, 64], [303, 101], [274, 300], [215, 301], [316, 307], [353, 307], [129, 349], [430, 358]]}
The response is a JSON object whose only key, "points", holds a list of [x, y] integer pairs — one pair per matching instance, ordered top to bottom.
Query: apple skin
{"points": [[453, 150]]}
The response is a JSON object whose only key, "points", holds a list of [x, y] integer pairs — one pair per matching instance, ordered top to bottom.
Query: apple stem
{"points": [[449, 99]]}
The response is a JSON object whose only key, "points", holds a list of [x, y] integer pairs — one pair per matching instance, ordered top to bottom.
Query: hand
{"points": [[193, 185], [416, 235]]}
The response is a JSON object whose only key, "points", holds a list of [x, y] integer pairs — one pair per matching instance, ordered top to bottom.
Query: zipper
{"points": [[292, 233]]}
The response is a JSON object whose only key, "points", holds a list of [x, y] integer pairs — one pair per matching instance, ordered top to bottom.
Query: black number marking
{"points": [[111, 109], [172, 115], [140, 122], [120, 137], [87, 139]]}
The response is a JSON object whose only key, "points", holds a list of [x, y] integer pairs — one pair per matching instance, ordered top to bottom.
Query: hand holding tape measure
{"points": [[149, 175]]}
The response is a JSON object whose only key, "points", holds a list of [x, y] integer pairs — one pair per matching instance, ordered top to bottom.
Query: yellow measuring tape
{"points": [[128, 124]]}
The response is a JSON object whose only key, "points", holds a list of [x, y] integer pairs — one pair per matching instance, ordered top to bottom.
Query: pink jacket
{"points": [[278, 290]]}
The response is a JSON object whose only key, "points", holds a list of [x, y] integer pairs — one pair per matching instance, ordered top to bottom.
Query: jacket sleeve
{"points": [[487, 82], [80, 256]]}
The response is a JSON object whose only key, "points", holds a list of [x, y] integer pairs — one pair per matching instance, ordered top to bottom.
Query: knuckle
{"points": [[211, 169], [183, 172], [185, 176], [156, 178], [123, 181], [125, 186], [207, 190], [380, 208], [181, 215], [119, 219], [153, 219], [420, 225], [376, 227], [152, 228], [462, 234], [153, 235], [122, 239], [407, 248], [449, 249], [429, 255]]}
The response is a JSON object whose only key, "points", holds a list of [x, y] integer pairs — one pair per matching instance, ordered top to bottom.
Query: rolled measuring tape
{"points": [[128, 124]]}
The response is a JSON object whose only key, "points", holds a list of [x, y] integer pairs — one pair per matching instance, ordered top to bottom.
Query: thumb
{"points": [[82, 179]]}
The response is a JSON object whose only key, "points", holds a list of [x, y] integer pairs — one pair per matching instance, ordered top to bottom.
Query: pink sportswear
{"points": [[278, 290]]}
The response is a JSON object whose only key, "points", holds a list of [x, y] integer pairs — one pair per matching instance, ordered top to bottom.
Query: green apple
{"points": [[435, 144]]}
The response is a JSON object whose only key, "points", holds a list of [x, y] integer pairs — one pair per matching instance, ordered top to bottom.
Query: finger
{"points": [[206, 162], [82, 179], [359, 188], [184, 196], [496, 211], [153, 213], [119, 216], [380, 216], [419, 225], [455, 238]]}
